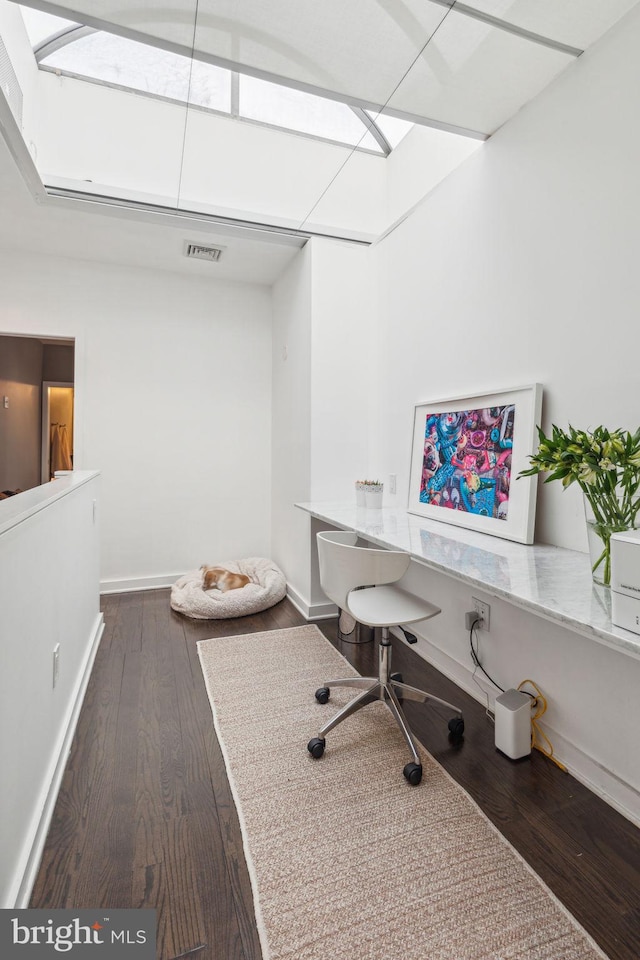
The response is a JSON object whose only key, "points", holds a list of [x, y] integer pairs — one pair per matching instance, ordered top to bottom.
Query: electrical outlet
{"points": [[392, 483], [483, 610], [56, 663]]}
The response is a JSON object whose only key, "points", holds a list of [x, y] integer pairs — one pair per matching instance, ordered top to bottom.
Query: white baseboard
{"points": [[133, 584], [314, 611], [603, 782], [26, 874]]}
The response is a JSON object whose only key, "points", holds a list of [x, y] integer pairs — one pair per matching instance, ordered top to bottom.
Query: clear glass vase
{"points": [[599, 538]]}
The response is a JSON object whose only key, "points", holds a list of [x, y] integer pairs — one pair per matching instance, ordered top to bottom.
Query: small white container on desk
{"points": [[625, 580]]}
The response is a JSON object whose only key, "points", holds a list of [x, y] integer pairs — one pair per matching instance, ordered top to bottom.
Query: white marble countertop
{"points": [[551, 582]]}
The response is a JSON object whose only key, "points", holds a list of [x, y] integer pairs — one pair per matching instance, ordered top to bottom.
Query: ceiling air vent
{"points": [[199, 252]]}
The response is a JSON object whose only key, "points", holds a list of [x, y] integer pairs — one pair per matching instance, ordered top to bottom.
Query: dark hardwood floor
{"points": [[145, 817]]}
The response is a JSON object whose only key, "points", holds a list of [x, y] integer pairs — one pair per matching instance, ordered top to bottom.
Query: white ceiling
{"points": [[410, 55], [460, 65], [49, 227]]}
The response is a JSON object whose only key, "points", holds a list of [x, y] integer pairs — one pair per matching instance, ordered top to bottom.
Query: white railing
{"points": [[50, 623]]}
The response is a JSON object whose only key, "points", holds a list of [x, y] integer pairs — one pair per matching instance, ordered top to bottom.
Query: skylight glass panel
{"points": [[40, 25], [105, 58], [115, 60], [302, 112]]}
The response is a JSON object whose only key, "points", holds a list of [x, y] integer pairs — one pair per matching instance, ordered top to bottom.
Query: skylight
{"points": [[102, 57], [126, 63], [294, 110], [125, 119]]}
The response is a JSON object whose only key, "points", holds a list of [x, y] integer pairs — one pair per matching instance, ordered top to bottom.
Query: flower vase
{"points": [[360, 494], [373, 496], [599, 530]]}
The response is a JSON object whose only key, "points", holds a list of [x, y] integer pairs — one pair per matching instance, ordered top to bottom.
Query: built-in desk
{"points": [[550, 582]]}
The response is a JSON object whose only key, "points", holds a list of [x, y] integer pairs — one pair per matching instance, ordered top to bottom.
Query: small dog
{"points": [[222, 579]]}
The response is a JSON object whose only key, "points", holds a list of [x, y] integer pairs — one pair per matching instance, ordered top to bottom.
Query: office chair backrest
{"points": [[344, 566]]}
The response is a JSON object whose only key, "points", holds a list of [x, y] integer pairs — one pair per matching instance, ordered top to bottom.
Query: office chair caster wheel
{"points": [[322, 695], [456, 729], [316, 747], [413, 773]]}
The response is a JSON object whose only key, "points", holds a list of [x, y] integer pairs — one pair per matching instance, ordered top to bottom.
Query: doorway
{"points": [[26, 362], [57, 427]]}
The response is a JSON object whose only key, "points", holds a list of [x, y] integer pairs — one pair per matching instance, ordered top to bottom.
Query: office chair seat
{"points": [[364, 581], [382, 606]]}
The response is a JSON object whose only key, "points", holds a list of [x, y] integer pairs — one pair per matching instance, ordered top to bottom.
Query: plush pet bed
{"points": [[267, 587]]}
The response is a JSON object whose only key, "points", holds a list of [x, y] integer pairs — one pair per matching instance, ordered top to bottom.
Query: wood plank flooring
{"points": [[145, 817]]}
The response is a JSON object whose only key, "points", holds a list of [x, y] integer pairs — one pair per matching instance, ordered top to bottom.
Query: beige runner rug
{"points": [[347, 860]]}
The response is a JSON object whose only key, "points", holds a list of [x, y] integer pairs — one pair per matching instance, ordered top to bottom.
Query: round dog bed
{"points": [[267, 587]]}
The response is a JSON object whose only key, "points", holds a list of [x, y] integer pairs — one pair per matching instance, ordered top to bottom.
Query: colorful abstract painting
{"points": [[467, 458], [466, 462]]}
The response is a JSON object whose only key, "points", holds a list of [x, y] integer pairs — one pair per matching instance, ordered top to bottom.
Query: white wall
{"points": [[93, 133], [134, 145], [422, 159], [281, 177], [522, 266], [519, 267], [343, 369], [324, 389], [173, 406], [291, 406], [593, 710]]}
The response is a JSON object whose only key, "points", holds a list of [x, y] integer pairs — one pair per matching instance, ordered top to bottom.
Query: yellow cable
{"points": [[537, 735]]}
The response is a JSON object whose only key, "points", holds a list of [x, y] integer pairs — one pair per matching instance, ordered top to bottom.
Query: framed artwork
{"points": [[466, 455]]}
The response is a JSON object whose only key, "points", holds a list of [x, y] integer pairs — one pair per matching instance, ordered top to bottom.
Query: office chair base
{"points": [[390, 688]]}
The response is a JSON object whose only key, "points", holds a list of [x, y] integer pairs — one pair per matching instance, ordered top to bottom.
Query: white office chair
{"points": [[364, 581]]}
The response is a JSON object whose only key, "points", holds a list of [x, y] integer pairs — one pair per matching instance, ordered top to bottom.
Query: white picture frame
{"points": [[467, 453]]}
